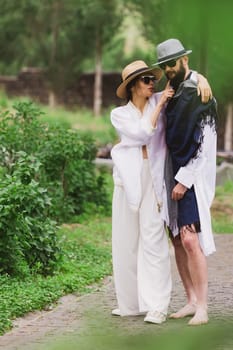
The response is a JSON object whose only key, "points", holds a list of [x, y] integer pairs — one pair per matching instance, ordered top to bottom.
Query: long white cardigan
{"points": [[201, 173]]}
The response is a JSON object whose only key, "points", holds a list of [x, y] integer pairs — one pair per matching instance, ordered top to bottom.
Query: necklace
{"points": [[159, 203], [159, 206]]}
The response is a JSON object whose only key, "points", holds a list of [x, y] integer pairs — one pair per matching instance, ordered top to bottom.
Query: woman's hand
{"points": [[204, 89], [167, 94]]}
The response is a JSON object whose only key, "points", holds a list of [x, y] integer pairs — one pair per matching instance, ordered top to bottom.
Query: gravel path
{"points": [[76, 318]]}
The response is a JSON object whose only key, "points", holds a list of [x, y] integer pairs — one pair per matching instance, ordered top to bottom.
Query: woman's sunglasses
{"points": [[170, 64], [147, 79]]}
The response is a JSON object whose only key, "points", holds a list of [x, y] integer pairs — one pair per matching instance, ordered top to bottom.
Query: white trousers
{"points": [[140, 251]]}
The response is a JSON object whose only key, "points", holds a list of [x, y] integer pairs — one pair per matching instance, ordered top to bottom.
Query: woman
{"points": [[141, 261]]}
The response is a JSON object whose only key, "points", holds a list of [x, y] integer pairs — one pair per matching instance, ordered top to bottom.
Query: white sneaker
{"points": [[116, 312], [155, 317]]}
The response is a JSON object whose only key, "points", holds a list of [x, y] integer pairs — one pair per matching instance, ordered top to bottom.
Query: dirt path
{"points": [[91, 314]]}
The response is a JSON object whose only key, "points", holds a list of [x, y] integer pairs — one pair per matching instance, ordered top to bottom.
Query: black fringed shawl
{"points": [[186, 117]]}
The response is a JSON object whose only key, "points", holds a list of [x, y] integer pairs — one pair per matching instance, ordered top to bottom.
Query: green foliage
{"points": [[151, 13], [107, 18], [204, 27], [50, 32], [55, 35], [61, 36], [20, 131], [66, 158], [70, 173], [47, 174], [222, 209], [28, 238], [81, 245]]}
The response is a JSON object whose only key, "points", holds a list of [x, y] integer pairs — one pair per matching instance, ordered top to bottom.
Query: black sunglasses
{"points": [[170, 64], [147, 79]]}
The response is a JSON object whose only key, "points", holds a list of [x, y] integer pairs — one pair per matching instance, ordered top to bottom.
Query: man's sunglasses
{"points": [[170, 64], [147, 79]]}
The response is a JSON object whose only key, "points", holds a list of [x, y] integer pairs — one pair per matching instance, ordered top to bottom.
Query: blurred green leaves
{"points": [[206, 28]]}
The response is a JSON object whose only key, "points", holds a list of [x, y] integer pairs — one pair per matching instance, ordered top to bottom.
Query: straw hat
{"points": [[169, 50], [131, 71]]}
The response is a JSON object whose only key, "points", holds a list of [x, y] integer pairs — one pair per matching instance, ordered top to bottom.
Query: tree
{"points": [[151, 17], [102, 19], [48, 34], [58, 36], [58, 39], [12, 53]]}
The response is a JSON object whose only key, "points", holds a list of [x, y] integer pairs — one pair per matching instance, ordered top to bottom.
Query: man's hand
{"points": [[178, 192]]}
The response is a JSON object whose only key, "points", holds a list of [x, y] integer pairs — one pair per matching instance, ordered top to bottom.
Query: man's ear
{"points": [[185, 60]]}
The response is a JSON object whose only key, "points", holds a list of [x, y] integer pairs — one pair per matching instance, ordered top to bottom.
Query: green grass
{"points": [[83, 120], [222, 209], [220, 225], [86, 260]]}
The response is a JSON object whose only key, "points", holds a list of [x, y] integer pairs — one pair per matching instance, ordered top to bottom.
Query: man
{"points": [[191, 140]]}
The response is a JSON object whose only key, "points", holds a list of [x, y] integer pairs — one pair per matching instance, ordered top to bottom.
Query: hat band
{"points": [[171, 56], [136, 71]]}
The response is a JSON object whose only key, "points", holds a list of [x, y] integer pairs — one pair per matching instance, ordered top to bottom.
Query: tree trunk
{"points": [[56, 8], [98, 78], [52, 99], [228, 128]]}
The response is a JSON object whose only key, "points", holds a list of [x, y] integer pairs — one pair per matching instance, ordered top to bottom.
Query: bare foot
{"points": [[187, 310], [200, 317]]}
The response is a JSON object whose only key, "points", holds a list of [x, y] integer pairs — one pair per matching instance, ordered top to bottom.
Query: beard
{"points": [[179, 77]]}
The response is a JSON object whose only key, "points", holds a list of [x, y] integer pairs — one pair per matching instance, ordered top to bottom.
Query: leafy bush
{"points": [[21, 130], [67, 169], [46, 174], [70, 174], [27, 234]]}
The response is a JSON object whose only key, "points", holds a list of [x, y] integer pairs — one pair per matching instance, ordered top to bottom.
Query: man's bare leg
{"points": [[182, 265], [197, 266]]}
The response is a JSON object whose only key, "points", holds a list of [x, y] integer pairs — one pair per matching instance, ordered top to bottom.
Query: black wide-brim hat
{"points": [[169, 50]]}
